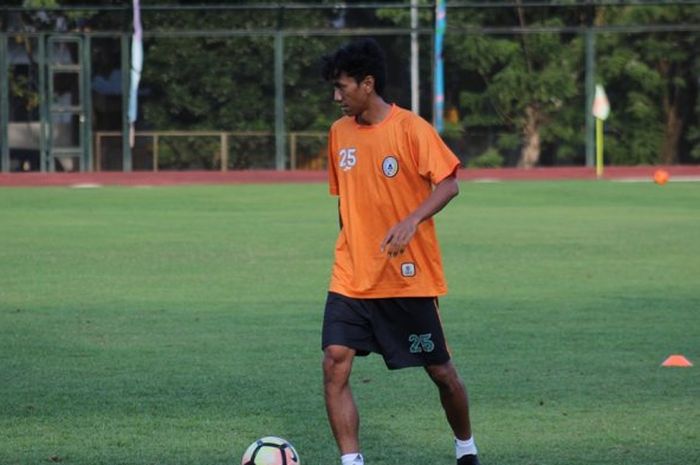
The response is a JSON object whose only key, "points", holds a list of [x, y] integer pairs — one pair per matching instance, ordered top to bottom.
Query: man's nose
{"points": [[336, 95]]}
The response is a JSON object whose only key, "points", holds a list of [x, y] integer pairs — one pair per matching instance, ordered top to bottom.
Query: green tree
{"points": [[651, 78], [228, 82], [522, 83], [528, 88]]}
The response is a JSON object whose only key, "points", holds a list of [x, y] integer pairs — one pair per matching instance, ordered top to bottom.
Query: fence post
{"points": [[415, 75], [126, 76], [590, 91], [279, 94], [87, 101], [4, 106], [44, 125], [292, 150], [98, 151], [224, 151], [155, 152]]}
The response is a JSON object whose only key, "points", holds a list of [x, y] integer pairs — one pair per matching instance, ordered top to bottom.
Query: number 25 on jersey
{"points": [[348, 159]]}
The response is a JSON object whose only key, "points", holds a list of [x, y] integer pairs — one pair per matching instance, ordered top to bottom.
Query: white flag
{"points": [[601, 105]]}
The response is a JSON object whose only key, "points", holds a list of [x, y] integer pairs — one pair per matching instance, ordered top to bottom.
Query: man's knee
{"points": [[337, 364], [445, 376]]}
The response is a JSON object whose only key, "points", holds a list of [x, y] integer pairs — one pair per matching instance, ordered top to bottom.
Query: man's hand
{"points": [[399, 236]]}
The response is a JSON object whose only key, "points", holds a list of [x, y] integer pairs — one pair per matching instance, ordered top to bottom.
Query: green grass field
{"points": [[175, 325]]}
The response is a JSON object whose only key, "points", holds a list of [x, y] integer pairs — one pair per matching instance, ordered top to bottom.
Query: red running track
{"points": [[166, 178]]}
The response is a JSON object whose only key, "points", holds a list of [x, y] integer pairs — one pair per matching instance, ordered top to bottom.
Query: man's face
{"points": [[352, 96]]}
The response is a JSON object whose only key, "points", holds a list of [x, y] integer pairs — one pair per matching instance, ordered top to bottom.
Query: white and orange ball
{"points": [[271, 450]]}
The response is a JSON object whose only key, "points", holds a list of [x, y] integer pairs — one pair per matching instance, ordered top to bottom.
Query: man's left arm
{"points": [[401, 234]]}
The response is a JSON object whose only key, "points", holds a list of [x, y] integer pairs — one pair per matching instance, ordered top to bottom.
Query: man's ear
{"points": [[368, 84]]}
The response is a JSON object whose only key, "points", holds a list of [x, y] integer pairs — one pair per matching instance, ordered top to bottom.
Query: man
{"points": [[392, 173]]}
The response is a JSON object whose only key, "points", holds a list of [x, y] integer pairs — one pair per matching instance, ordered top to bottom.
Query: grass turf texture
{"points": [[176, 325]]}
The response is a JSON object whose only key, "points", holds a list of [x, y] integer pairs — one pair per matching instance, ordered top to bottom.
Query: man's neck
{"points": [[375, 113]]}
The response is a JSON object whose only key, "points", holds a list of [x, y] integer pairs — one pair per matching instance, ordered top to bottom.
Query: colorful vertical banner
{"points": [[136, 66], [438, 77]]}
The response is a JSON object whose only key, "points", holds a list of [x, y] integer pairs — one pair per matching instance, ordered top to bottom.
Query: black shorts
{"points": [[407, 332]]}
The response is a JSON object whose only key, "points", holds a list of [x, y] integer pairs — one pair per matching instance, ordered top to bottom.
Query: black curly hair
{"points": [[357, 59]]}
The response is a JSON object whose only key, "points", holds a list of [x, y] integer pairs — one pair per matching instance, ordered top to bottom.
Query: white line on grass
{"points": [[85, 185]]}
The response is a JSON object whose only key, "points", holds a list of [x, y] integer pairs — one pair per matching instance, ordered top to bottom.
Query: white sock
{"points": [[462, 448], [354, 458]]}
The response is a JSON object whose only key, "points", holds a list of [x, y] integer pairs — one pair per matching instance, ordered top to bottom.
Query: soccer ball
{"points": [[661, 177], [270, 450]]}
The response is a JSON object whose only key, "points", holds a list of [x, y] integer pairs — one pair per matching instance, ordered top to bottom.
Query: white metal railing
{"points": [[308, 161]]}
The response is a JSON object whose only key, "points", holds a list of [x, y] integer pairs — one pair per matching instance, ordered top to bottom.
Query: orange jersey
{"points": [[382, 173]]}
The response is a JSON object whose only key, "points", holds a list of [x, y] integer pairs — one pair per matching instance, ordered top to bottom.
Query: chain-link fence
{"points": [[238, 86]]}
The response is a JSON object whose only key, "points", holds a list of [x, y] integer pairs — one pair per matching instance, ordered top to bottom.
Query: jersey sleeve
{"points": [[434, 158], [332, 165]]}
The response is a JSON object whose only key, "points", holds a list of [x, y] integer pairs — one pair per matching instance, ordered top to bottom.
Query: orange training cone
{"points": [[676, 361]]}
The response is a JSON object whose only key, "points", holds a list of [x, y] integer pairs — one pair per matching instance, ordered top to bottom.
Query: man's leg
{"points": [[453, 396], [340, 405]]}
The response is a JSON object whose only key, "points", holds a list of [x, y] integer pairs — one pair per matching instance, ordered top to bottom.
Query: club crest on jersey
{"points": [[390, 166], [408, 270]]}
